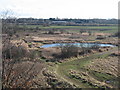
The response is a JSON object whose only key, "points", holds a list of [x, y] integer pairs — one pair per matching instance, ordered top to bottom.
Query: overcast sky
{"points": [[85, 9]]}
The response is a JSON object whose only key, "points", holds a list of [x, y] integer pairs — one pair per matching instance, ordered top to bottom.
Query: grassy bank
{"points": [[82, 77]]}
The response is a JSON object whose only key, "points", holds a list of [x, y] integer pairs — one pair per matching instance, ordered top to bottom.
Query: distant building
{"points": [[59, 21]]}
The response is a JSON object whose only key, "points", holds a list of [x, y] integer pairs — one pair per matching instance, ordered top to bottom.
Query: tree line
{"points": [[50, 21]]}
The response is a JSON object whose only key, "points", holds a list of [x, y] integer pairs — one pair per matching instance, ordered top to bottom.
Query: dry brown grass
{"points": [[49, 52], [105, 65]]}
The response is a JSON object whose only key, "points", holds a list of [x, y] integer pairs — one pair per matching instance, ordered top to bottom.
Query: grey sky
{"points": [[62, 8]]}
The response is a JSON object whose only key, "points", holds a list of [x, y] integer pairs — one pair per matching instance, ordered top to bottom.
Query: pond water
{"points": [[76, 44]]}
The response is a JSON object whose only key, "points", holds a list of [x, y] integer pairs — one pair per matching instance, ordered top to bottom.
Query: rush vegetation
{"points": [[25, 64]]}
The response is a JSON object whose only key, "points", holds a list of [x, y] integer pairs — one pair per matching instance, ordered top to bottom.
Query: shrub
{"points": [[69, 50], [13, 52]]}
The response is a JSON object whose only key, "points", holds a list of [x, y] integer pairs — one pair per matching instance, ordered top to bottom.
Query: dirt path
{"points": [[63, 68]]}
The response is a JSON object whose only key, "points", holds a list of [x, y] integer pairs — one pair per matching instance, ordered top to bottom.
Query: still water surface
{"points": [[76, 44]]}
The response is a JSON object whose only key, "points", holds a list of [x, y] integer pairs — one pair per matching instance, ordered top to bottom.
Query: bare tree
{"points": [[8, 29], [16, 72]]}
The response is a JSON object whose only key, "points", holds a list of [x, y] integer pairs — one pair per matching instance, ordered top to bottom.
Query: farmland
{"points": [[109, 28]]}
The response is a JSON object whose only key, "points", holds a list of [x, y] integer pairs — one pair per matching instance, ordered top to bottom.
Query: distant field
{"points": [[104, 29]]}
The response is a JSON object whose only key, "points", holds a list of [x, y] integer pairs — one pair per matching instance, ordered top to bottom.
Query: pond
{"points": [[77, 44]]}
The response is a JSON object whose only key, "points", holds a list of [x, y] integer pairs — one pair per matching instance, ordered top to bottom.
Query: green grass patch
{"points": [[74, 27], [71, 29], [106, 29], [78, 65], [102, 76]]}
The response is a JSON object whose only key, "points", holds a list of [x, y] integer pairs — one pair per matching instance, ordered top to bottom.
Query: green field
{"points": [[104, 29]]}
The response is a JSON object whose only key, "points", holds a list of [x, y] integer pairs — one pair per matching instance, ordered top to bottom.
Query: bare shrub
{"points": [[69, 50], [14, 52], [13, 59]]}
